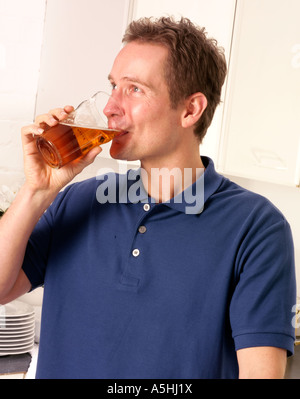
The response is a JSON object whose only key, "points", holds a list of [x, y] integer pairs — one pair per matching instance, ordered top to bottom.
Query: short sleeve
{"points": [[39, 244], [35, 259], [265, 291]]}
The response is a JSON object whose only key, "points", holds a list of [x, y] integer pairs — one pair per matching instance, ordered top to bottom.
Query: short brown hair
{"points": [[195, 62]]}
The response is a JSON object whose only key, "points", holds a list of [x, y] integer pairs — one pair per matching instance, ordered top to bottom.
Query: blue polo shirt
{"points": [[134, 289]]}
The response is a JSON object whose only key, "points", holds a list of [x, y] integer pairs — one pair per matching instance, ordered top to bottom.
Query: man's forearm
{"points": [[16, 225], [265, 362]]}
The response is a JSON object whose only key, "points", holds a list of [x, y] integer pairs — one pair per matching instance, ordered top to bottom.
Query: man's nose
{"points": [[113, 108]]}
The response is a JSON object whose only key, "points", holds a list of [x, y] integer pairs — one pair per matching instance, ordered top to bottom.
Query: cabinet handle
{"points": [[268, 159]]}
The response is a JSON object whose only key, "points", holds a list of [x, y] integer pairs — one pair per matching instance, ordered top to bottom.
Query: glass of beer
{"points": [[83, 129]]}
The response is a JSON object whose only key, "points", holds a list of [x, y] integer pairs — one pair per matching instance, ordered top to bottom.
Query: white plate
{"points": [[16, 308], [16, 319], [9, 324], [16, 328], [8, 331], [16, 335], [14, 339], [16, 345], [20, 347], [19, 351]]}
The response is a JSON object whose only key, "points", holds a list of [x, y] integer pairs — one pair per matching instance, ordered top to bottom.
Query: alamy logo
{"points": [[134, 186], [296, 317]]}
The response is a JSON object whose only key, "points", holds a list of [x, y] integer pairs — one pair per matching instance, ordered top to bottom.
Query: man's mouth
{"points": [[119, 128], [121, 133]]}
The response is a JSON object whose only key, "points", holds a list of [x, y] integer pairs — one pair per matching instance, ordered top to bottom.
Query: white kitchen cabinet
{"points": [[217, 16], [81, 40], [261, 125]]}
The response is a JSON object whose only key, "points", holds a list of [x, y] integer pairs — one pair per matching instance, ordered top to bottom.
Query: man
{"points": [[141, 287]]}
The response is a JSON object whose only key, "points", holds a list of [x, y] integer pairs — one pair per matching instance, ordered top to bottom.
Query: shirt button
{"points": [[146, 207], [142, 229], [136, 252]]}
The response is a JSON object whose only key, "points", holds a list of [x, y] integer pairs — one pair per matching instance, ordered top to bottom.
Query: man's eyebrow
{"points": [[132, 79]]}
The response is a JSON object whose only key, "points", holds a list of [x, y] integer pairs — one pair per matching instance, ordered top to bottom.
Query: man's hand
{"points": [[40, 176]]}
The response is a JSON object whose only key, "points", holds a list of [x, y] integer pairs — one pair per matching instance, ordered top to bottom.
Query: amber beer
{"points": [[64, 143]]}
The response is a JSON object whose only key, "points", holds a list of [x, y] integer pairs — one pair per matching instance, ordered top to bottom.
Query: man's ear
{"points": [[194, 107]]}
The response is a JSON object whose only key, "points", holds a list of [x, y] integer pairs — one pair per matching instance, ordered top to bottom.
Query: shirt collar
{"points": [[192, 199]]}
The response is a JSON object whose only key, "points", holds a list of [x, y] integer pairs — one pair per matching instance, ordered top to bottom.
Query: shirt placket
{"points": [[130, 279]]}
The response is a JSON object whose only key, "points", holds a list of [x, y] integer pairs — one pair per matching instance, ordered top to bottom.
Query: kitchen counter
{"points": [[14, 366]]}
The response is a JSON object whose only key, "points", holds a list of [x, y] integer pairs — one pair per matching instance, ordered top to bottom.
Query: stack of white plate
{"points": [[17, 328]]}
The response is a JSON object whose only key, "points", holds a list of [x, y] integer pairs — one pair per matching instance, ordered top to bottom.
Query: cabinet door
{"points": [[217, 17], [81, 40], [261, 128]]}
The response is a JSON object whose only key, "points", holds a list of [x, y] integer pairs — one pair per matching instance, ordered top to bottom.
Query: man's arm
{"points": [[40, 189], [16, 226], [265, 362]]}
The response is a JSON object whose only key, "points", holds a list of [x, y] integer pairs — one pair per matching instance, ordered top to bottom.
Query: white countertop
{"points": [[30, 375]]}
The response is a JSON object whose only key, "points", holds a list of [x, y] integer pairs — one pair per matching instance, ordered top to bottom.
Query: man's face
{"points": [[140, 106]]}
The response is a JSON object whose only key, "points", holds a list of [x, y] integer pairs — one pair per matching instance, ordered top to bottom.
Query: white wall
{"points": [[21, 35]]}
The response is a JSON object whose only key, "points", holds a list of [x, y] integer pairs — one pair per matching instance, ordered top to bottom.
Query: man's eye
{"points": [[113, 86], [136, 90]]}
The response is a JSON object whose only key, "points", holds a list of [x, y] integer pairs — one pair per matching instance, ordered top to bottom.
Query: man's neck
{"points": [[165, 182]]}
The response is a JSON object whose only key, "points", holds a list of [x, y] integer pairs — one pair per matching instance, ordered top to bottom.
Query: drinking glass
{"points": [[83, 129]]}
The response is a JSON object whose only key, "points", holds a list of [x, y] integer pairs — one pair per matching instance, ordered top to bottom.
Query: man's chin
{"points": [[122, 157]]}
